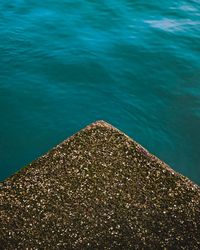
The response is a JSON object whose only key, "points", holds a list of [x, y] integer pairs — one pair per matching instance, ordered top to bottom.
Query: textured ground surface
{"points": [[99, 190]]}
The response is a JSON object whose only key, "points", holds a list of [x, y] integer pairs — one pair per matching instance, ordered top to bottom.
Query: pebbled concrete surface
{"points": [[99, 189]]}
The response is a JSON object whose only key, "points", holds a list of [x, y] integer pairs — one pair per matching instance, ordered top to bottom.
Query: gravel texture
{"points": [[99, 189]]}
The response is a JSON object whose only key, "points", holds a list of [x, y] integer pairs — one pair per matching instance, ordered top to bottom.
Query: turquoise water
{"points": [[65, 64]]}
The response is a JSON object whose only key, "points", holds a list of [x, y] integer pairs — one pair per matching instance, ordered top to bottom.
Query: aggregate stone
{"points": [[99, 189]]}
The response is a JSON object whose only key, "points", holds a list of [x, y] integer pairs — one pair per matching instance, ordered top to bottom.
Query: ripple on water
{"points": [[65, 64]]}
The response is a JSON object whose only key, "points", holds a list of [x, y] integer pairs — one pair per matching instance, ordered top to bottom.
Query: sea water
{"points": [[134, 64]]}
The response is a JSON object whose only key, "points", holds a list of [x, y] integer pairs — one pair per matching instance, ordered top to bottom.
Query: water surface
{"points": [[65, 64]]}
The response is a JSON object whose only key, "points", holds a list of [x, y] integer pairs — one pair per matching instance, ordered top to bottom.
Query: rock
{"points": [[99, 189]]}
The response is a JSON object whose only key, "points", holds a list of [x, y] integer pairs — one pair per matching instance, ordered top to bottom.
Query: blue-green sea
{"points": [[134, 64]]}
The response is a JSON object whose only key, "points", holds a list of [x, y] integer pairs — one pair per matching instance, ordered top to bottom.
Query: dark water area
{"points": [[134, 64]]}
